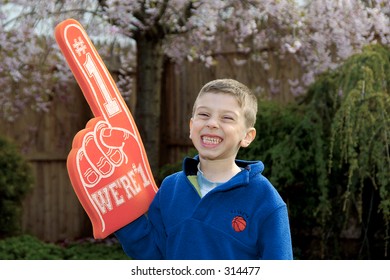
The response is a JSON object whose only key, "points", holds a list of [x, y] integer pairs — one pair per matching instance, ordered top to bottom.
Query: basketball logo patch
{"points": [[238, 223]]}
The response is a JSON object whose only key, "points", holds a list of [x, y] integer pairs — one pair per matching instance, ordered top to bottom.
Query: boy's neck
{"points": [[219, 170]]}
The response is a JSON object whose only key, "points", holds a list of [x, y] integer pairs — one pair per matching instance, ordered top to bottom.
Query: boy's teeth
{"points": [[211, 140]]}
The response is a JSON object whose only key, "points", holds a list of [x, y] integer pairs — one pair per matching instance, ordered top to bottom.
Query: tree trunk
{"points": [[148, 104]]}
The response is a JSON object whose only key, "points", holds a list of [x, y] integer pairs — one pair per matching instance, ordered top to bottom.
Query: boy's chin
{"points": [[208, 156], [214, 157]]}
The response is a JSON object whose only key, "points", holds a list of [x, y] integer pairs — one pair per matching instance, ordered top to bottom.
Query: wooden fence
{"points": [[52, 211]]}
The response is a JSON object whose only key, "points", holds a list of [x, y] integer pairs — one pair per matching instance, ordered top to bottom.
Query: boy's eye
{"points": [[203, 115], [228, 118]]}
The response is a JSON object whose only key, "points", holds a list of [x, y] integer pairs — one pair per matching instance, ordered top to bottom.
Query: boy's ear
{"points": [[249, 137]]}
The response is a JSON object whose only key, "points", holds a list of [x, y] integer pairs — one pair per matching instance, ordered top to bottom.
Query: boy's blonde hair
{"points": [[244, 96]]}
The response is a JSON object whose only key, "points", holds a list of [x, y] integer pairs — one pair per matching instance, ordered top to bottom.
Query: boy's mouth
{"points": [[211, 140]]}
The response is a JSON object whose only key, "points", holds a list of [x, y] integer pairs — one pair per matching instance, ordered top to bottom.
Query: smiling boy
{"points": [[217, 207]]}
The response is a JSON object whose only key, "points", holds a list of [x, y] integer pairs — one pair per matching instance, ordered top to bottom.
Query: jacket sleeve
{"points": [[275, 237], [144, 238]]}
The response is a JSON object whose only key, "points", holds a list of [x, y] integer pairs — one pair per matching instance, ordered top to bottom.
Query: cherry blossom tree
{"points": [[331, 31], [318, 35]]}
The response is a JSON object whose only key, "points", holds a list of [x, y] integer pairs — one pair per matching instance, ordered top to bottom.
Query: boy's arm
{"points": [[276, 237], [144, 238], [137, 240]]}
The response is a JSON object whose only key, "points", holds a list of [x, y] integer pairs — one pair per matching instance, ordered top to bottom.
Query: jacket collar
{"points": [[190, 166]]}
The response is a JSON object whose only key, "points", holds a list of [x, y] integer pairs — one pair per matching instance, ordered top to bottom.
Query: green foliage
{"points": [[361, 128], [15, 182], [27, 247], [95, 250]]}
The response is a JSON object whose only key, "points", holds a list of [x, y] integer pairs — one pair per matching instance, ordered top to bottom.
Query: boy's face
{"points": [[217, 128]]}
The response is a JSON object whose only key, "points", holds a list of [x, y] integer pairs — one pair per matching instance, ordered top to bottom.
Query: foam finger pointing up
{"points": [[92, 75]]}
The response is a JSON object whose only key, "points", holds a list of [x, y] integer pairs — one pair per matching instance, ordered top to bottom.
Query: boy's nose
{"points": [[212, 123]]}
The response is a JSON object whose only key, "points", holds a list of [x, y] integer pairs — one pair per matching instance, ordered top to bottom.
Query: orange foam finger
{"points": [[115, 186]]}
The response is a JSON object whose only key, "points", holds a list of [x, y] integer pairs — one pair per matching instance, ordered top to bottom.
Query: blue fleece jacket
{"points": [[244, 218]]}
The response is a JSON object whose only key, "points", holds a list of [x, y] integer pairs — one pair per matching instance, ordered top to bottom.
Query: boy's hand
{"points": [[108, 165]]}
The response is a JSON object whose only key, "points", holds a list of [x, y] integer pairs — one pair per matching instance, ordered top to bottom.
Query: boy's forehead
{"points": [[217, 95], [217, 99]]}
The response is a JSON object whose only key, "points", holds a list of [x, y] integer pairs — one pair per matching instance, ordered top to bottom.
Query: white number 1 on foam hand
{"points": [[111, 105]]}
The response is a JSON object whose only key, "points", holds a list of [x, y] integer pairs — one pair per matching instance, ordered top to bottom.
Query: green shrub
{"points": [[356, 99], [15, 182], [27, 247], [108, 249]]}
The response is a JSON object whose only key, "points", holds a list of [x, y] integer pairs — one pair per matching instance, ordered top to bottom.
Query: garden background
{"points": [[321, 71]]}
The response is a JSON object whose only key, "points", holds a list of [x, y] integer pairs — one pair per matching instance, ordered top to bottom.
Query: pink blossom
{"points": [[318, 36]]}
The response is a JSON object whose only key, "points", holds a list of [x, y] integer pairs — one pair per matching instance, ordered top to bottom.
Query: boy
{"points": [[217, 207]]}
